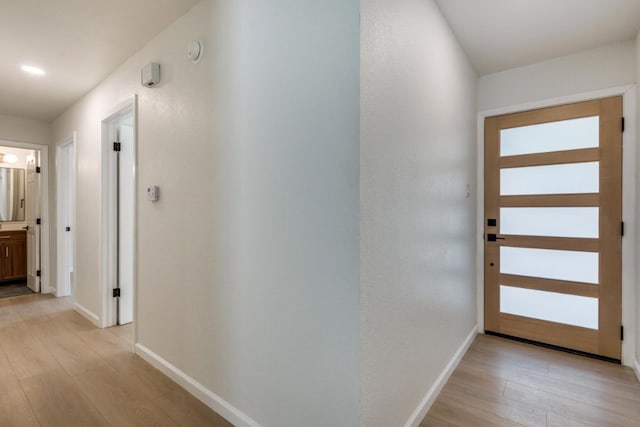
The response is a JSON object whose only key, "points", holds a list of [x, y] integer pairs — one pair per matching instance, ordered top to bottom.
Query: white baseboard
{"points": [[88, 314], [636, 367], [434, 391], [206, 396]]}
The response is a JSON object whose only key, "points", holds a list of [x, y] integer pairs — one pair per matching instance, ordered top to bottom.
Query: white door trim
{"points": [[628, 204], [59, 207], [108, 241], [45, 278]]}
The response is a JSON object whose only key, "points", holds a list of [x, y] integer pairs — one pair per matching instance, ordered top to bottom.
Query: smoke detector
{"points": [[194, 51]]}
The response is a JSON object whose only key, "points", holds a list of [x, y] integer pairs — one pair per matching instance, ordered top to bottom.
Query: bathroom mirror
{"points": [[12, 201]]}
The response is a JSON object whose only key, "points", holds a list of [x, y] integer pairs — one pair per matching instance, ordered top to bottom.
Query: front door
{"points": [[553, 208]]}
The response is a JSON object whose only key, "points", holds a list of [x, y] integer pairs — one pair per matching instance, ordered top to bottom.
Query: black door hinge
{"points": [[622, 124], [116, 146], [37, 169], [38, 221], [622, 228], [67, 229], [38, 273], [116, 293], [621, 333]]}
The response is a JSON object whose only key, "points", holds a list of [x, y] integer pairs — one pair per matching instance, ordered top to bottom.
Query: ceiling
{"points": [[502, 34], [77, 42], [80, 42]]}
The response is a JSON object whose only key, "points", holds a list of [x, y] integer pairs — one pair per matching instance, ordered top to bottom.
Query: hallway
{"points": [[56, 368], [506, 383]]}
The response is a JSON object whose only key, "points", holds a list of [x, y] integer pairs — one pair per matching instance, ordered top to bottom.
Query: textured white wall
{"points": [[601, 68], [288, 117], [24, 130], [418, 139], [174, 151], [248, 264]]}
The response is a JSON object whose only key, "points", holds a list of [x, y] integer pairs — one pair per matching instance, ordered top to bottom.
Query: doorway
{"points": [[119, 139], [65, 190], [553, 211], [24, 254]]}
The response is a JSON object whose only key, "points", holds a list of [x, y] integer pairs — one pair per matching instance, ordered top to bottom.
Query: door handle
{"points": [[493, 238]]}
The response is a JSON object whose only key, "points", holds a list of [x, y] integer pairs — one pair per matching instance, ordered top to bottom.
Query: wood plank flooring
{"points": [[57, 369], [505, 383]]}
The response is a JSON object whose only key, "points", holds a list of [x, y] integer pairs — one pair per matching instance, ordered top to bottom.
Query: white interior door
{"points": [[33, 214], [119, 215], [125, 219], [65, 226]]}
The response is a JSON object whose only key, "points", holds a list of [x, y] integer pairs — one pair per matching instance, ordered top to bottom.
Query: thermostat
{"points": [[150, 74], [153, 193]]}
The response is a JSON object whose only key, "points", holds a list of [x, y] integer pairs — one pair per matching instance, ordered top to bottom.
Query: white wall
{"points": [[601, 68], [287, 117], [24, 130], [174, 139], [418, 155], [248, 264]]}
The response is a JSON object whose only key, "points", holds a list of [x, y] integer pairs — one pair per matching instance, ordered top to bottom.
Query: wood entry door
{"points": [[553, 212]]}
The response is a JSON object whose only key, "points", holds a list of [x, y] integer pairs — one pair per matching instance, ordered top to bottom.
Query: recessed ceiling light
{"points": [[33, 70], [8, 158]]}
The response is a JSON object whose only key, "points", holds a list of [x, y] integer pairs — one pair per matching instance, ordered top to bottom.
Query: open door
{"points": [[119, 214], [66, 215], [125, 218], [33, 221]]}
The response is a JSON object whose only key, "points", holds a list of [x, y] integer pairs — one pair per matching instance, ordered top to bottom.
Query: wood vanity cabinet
{"points": [[13, 255]]}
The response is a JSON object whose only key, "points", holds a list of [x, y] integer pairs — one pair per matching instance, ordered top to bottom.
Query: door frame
{"points": [[629, 162], [109, 214], [60, 249], [45, 278]]}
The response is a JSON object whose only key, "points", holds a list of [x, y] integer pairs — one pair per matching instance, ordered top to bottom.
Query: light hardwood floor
{"points": [[57, 369], [505, 383]]}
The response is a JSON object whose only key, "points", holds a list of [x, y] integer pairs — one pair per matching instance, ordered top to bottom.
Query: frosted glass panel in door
{"points": [[546, 137], [551, 179], [553, 222], [574, 266], [550, 306]]}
